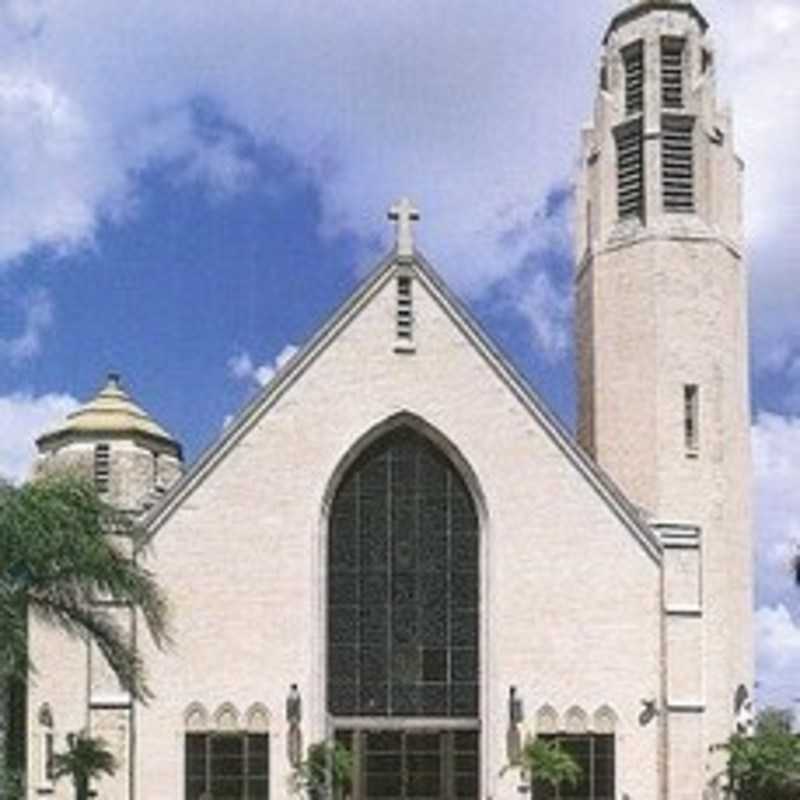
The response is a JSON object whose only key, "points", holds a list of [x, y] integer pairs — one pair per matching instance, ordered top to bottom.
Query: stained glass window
{"points": [[403, 582], [229, 766]]}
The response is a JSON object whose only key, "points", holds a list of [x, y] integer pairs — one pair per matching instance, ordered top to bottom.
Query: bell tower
{"points": [[662, 339]]}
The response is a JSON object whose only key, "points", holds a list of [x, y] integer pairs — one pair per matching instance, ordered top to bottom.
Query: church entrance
{"points": [[403, 599], [413, 764]]}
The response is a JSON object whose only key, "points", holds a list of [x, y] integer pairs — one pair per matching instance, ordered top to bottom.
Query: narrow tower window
{"points": [[672, 57], [633, 59], [708, 60], [677, 163], [630, 170], [405, 310], [691, 418], [102, 467], [48, 751]]}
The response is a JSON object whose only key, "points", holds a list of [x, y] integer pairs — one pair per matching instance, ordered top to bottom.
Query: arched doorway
{"points": [[403, 621]]}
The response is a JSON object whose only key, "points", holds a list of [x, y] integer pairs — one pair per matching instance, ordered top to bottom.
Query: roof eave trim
{"points": [[630, 14], [302, 360], [271, 392], [59, 436], [603, 484]]}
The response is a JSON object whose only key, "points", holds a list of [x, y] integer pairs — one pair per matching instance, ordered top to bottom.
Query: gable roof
{"points": [[603, 485]]}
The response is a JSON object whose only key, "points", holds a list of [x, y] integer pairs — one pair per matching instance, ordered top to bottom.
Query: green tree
{"points": [[62, 548], [85, 759], [547, 764], [326, 766], [765, 766]]}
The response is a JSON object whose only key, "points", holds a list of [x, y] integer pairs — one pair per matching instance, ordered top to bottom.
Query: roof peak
{"points": [[112, 412]]}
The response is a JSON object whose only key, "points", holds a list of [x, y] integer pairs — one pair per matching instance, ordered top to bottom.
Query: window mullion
{"points": [[208, 738]]}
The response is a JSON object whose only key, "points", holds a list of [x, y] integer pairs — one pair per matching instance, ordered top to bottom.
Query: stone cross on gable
{"points": [[403, 214]]}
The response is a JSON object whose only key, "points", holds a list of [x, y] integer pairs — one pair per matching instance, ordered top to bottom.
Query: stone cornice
{"points": [[643, 8]]}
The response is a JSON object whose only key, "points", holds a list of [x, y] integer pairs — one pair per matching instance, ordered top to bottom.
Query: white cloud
{"points": [[760, 67], [474, 114], [548, 309], [37, 310], [242, 367], [23, 417], [776, 468], [778, 657]]}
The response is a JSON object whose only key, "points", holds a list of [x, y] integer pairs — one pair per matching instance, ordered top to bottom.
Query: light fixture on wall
{"points": [[294, 705], [515, 709], [649, 711], [294, 715]]}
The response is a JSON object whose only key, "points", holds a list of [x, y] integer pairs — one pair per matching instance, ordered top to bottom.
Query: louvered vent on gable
{"points": [[405, 309]]}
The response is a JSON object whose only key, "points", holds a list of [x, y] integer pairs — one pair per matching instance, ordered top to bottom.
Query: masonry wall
{"points": [[570, 596], [72, 680]]}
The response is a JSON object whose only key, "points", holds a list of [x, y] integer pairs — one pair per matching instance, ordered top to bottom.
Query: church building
{"points": [[397, 546]]}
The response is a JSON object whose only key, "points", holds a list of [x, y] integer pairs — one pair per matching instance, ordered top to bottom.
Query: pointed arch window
{"points": [[403, 585]]}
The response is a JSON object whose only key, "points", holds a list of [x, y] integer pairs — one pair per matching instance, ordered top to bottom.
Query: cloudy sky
{"points": [[189, 188]]}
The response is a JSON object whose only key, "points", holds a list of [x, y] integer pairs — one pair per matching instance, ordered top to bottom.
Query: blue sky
{"points": [[188, 193]]}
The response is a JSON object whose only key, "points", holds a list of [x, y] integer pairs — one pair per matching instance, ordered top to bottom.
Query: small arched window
{"points": [[403, 585]]}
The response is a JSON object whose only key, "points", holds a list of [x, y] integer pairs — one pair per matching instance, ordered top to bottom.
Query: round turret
{"points": [[130, 457]]}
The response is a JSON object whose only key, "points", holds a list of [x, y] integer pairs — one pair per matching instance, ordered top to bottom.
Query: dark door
{"points": [[414, 764]]}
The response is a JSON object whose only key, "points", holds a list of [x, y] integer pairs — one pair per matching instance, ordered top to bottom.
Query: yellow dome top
{"points": [[112, 412]]}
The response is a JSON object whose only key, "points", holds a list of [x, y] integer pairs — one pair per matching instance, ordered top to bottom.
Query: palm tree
{"points": [[57, 558], [86, 758], [548, 764]]}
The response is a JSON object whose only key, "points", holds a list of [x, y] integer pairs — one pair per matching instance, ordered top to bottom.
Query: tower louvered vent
{"points": [[672, 51], [633, 57], [677, 164], [630, 171], [102, 467]]}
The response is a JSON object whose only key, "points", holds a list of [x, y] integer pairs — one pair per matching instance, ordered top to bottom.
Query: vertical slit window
{"points": [[633, 59], [672, 60], [708, 60], [677, 164], [630, 170], [405, 310], [691, 418], [102, 467], [49, 753]]}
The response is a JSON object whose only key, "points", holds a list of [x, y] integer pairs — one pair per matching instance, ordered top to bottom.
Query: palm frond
{"points": [[67, 554], [86, 757]]}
